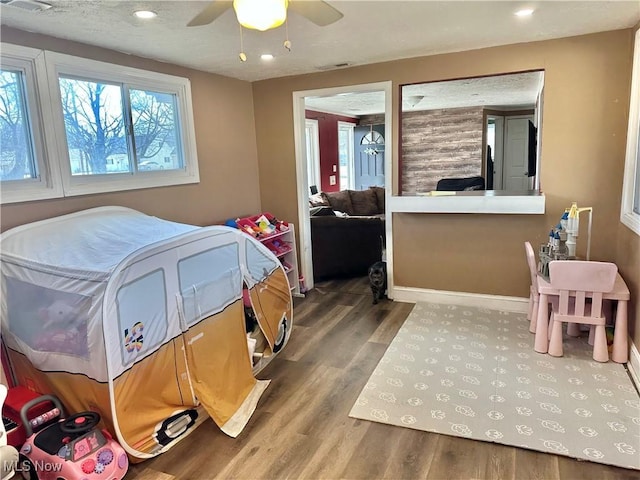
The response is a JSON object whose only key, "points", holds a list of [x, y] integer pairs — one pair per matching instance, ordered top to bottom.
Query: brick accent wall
{"points": [[440, 144]]}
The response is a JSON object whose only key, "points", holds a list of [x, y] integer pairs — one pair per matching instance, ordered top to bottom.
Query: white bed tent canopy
{"points": [[102, 306]]}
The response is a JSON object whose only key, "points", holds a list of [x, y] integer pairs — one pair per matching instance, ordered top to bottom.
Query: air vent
{"points": [[29, 5], [333, 67]]}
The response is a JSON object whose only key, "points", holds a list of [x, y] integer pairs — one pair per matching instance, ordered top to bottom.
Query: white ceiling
{"points": [[369, 32], [507, 92]]}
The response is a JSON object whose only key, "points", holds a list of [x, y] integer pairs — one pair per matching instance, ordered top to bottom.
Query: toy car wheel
{"points": [[282, 335], [27, 470]]}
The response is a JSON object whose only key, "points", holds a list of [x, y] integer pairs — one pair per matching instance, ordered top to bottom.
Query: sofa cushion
{"points": [[379, 191], [317, 200], [340, 201], [364, 202], [321, 211], [345, 247]]}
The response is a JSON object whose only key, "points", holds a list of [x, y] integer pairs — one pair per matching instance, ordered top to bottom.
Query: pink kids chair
{"points": [[577, 281], [534, 296]]}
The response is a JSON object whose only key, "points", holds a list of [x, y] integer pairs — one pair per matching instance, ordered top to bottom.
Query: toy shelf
{"points": [[281, 242]]}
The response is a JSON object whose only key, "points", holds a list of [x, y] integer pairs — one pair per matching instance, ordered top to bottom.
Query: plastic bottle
{"points": [[572, 219], [564, 220], [556, 242]]}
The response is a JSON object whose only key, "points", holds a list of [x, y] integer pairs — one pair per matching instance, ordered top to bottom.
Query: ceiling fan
{"points": [[316, 11]]}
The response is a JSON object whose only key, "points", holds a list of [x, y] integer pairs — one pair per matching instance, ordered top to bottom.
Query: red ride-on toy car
{"points": [[70, 448]]}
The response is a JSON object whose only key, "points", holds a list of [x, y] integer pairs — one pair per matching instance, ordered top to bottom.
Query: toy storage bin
{"points": [[252, 223], [248, 226], [278, 247]]}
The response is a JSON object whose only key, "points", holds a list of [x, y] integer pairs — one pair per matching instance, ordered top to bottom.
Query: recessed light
{"points": [[525, 12], [146, 14], [266, 56]]}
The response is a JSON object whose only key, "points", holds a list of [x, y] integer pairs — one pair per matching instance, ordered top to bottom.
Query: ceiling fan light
{"points": [[261, 14]]}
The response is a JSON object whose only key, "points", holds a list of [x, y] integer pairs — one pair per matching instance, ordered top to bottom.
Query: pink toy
{"points": [[69, 449]]}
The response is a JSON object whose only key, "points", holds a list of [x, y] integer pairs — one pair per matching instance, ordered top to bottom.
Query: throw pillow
{"points": [[379, 191], [317, 200], [340, 201], [364, 202]]}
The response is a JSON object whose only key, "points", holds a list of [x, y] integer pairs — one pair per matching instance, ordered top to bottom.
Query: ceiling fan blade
{"points": [[317, 11], [210, 13]]}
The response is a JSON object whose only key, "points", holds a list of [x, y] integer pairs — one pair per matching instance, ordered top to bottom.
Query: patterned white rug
{"points": [[472, 372]]}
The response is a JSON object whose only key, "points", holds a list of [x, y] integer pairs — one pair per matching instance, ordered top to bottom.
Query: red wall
{"points": [[328, 139]]}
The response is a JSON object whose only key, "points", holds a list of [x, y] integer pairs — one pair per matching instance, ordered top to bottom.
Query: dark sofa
{"points": [[347, 232]]}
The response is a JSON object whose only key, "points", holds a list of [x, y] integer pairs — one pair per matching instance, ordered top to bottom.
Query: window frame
{"points": [[31, 63], [41, 76], [129, 78], [350, 174], [631, 185]]}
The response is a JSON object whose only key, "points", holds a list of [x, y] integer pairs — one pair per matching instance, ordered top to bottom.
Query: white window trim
{"points": [[61, 64], [49, 133], [350, 161], [632, 162], [313, 163], [48, 184]]}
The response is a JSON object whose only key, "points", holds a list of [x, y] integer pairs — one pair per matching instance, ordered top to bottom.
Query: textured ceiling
{"points": [[369, 32], [513, 91]]}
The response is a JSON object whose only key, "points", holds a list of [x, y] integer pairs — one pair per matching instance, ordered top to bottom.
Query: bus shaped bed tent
{"points": [[142, 320]]}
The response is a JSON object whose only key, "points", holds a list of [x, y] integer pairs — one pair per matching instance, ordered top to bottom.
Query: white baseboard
{"points": [[499, 302], [634, 364]]}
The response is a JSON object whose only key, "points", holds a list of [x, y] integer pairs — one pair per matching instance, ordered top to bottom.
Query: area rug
{"points": [[472, 372]]}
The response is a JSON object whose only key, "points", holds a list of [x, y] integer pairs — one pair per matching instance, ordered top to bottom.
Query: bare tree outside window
{"points": [[96, 120], [16, 152]]}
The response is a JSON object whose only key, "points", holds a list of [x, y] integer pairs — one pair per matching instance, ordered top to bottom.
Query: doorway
{"points": [[338, 94], [510, 152]]}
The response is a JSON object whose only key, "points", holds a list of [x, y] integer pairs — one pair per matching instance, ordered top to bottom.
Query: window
{"points": [[96, 125], [106, 128], [312, 146], [345, 155], [17, 161], [24, 170], [630, 210], [209, 281], [142, 315], [48, 320]]}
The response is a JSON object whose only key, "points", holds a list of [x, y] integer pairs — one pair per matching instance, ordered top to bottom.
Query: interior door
{"points": [[516, 153]]}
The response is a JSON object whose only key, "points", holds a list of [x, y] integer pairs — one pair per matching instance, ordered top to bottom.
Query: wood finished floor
{"points": [[301, 428]]}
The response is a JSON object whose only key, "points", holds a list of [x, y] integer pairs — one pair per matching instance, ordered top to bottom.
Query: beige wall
{"points": [[587, 81], [225, 137], [583, 144], [628, 261]]}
